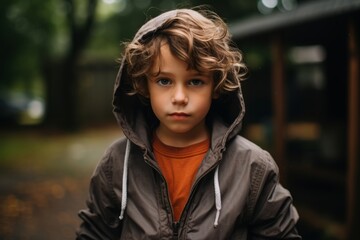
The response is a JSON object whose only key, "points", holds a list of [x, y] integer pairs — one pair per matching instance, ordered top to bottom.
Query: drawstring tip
{"points": [[124, 182], [217, 197], [122, 212], [216, 222]]}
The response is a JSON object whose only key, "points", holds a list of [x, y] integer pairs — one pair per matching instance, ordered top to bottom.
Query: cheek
{"points": [[157, 102], [204, 104]]}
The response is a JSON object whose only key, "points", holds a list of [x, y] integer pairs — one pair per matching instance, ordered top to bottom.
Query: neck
{"points": [[182, 139]]}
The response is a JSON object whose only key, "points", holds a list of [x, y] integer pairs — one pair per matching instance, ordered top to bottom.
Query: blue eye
{"points": [[163, 82], [196, 82]]}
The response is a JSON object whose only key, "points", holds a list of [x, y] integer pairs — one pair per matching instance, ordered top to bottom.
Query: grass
{"points": [[41, 152]]}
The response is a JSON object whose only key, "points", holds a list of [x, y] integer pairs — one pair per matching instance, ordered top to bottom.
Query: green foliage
{"points": [[120, 19], [27, 31]]}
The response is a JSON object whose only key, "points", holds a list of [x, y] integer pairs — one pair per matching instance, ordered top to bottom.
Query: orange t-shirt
{"points": [[179, 166]]}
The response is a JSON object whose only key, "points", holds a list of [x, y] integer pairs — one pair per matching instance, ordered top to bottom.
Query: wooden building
{"points": [[303, 103]]}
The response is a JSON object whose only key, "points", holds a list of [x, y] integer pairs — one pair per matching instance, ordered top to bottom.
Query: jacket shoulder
{"points": [[245, 144], [117, 145], [116, 150], [253, 153], [112, 158], [260, 165]]}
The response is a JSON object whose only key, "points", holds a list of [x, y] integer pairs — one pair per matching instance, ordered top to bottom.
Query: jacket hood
{"points": [[137, 119]]}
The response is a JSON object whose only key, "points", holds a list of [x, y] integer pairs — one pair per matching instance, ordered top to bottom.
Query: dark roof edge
{"points": [[304, 13]]}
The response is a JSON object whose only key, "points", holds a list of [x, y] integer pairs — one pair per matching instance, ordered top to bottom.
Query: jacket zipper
{"points": [[192, 191], [175, 225]]}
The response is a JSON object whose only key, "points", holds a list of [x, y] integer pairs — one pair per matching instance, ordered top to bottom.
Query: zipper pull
{"points": [[175, 226]]}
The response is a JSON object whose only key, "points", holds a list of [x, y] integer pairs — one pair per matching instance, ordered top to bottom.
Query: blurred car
{"points": [[19, 109]]}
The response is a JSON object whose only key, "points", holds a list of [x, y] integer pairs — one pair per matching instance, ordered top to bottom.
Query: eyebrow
{"points": [[191, 73]]}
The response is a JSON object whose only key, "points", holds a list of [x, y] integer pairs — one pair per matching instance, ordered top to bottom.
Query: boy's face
{"points": [[180, 98]]}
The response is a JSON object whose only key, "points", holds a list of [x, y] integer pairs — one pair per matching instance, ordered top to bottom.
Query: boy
{"points": [[183, 172]]}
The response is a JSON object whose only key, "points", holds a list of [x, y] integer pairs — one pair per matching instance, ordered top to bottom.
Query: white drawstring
{"points": [[124, 180], [217, 196]]}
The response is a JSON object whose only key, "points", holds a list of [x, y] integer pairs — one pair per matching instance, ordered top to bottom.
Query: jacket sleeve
{"points": [[273, 213], [100, 219]]}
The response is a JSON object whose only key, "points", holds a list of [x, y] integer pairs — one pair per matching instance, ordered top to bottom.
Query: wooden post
{"points": [[279, 106], [353, 191]]}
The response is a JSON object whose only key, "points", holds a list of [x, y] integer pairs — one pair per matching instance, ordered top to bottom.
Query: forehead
{"points": [[168, 62]]}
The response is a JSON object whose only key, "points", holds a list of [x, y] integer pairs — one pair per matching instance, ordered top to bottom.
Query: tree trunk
{"points": [[61, 77]]}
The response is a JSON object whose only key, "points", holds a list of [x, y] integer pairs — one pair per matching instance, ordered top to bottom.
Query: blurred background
{"points": [[59, 60]]}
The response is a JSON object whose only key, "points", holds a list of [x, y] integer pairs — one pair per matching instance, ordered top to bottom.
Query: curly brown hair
{"points": [[198, 37]]}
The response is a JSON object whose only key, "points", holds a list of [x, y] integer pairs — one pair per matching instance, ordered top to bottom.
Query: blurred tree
{"points": [[118, 20], [26, 35], [42, 40], [61, 79]]}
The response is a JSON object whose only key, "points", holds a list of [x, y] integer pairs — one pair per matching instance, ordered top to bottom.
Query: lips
{"points": [[179, 115]]}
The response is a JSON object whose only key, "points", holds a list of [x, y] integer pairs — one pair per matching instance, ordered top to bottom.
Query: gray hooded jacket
{"points": [[236, 193]]}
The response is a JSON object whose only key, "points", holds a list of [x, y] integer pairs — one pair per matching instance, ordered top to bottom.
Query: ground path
{"points": [[44, 180]]}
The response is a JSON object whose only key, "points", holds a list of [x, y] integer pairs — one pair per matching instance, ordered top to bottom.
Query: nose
{"points": [[180, 96]]}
